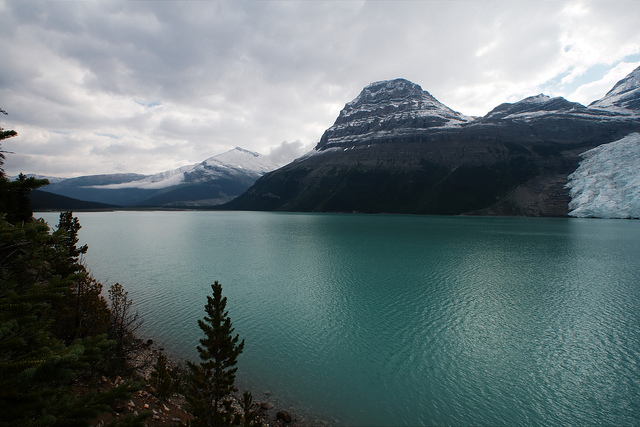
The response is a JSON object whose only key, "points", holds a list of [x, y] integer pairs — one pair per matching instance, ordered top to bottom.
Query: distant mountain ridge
{"points": [[397, 149], [213, 181]]}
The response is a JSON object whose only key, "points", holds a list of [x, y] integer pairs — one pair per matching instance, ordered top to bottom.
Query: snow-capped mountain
{"points": [[624, 95], [542, 106], [388, 109], [397, 149], [223, 165], [216, 180], [607, 183]]}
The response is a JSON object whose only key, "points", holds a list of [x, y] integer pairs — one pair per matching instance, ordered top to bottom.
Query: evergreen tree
{"points": [[4, 134], [14, 196], [70, 226], [84, 310], [123, 323], [42, 355], [37, 368], [213, 378], [163, 379], [250, 417]]}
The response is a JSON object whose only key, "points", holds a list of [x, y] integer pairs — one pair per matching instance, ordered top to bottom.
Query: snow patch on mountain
{"points": [[624, 95], [406, 98], [542, 106], [389, 108], [237, 160], [607, 182]]}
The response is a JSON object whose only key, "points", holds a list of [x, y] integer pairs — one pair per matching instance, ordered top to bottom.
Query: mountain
{"points": [[625, 94], [389, 109], [396, 149], [216, 180], [43, 201]]}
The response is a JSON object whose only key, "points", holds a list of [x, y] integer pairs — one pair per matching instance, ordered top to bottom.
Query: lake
{"points": [[397, 320]]}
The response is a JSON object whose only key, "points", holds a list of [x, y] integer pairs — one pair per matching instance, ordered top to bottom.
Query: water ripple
{"points": [[394, 320]]}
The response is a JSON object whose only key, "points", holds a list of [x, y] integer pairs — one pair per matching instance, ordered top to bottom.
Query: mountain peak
{"points": [[386, 90], [625, 93], [541, 97], [533, 104], [387, 110], [244, 151], [240, 158]]}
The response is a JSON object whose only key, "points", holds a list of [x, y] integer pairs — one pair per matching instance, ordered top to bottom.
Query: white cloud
{"points": [[178, 82], [592, 91]]}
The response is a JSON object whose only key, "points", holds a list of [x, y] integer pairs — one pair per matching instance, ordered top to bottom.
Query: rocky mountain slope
{"points": [[624, 95], [389, 109], [397, 149], [213, 181]]}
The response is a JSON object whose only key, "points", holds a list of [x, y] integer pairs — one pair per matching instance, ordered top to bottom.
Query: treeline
{"points": [[58, 333]]}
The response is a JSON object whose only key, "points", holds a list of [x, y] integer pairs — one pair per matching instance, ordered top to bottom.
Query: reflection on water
{"points": [[398, 320]]}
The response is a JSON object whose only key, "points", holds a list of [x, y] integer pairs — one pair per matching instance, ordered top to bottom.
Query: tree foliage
{"points": [[4, 134], [14, 196], [53, 320], [123, 323], [42, 355], [164, 379], [212, 380], [249, 416]]}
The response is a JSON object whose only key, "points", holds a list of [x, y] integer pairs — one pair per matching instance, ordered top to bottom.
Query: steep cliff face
{"points": [[624, 95], [389, 111], [395, 148]]}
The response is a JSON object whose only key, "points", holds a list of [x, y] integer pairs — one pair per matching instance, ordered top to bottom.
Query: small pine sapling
{"points": [[213, 378]]}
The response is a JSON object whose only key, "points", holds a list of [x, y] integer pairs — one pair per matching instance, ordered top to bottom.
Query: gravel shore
{"points": [[172, 412]]}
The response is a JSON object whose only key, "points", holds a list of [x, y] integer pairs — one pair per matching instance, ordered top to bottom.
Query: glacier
{"points": [[607, 182]]}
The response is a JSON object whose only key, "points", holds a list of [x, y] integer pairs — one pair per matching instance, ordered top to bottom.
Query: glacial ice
{"points": [[607, 182]]}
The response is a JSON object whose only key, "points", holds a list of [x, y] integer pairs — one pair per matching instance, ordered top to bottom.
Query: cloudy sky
{"points": [[147, 86]]}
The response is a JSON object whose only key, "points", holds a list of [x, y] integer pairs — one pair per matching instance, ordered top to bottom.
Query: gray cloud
{"points": [[146, 86], [287, 152]]}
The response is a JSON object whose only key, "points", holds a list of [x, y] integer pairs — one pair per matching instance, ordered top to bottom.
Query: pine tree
{"points": [[4, 134], [14, 196], [84, 310], [123, 323], [42, 354], [37, 368], [162, 378], [213, 378], [250, 417]]}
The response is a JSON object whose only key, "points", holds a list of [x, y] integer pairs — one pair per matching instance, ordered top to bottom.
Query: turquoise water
{"points": [[397, 320]]}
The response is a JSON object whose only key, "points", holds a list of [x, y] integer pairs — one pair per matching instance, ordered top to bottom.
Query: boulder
{"points": [[284, 416]]}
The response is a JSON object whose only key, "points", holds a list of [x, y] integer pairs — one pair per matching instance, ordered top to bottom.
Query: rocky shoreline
{"points": [[171, 411]]}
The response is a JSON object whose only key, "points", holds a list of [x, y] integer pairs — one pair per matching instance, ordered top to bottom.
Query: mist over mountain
{"points": [[397, 149], [216, 180]]}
